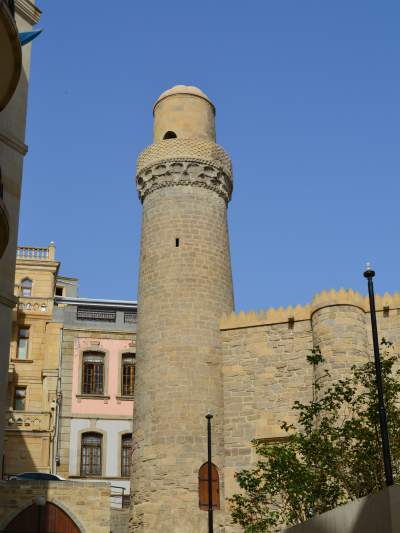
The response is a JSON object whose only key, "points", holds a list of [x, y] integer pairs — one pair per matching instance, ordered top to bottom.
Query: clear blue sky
{"points": [[307, 96]]}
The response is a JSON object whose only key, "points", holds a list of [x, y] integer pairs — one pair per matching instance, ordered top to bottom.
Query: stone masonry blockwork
{"points": [[185, 284], [183, 291], [194, 354]]}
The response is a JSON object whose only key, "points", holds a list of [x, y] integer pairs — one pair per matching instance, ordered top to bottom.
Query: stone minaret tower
{"points": [[184, 181]]}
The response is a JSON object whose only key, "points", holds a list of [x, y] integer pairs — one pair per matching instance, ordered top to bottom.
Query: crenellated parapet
{"points": [[355, 299], [298, 313], [265, 317]]}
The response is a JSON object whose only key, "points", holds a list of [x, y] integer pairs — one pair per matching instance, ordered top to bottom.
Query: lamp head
{"points": [[369, 273]]}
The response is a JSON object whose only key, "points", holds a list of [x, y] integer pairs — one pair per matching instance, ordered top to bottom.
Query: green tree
{"points": [[333, 455]]}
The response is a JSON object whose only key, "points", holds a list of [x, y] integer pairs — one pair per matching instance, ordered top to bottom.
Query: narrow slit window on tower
{"points": [[170, 135], [177, 243]]}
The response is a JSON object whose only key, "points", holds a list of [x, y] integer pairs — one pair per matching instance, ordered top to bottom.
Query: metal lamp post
{"points": [[369, 274], [210, 503]]}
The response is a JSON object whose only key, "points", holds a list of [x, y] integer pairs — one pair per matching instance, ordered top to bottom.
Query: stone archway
{"points": [[42, 519]]}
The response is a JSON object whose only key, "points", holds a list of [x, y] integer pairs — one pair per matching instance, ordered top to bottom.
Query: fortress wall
{"points": [[388, 326], [340, 331], [265, 368], [264, 371]]}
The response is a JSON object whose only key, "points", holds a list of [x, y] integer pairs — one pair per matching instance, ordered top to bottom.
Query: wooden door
{"points": [[203, 487], [42, 519]]}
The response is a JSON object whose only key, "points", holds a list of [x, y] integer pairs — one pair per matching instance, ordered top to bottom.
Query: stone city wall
{"points": [[265, 368]]}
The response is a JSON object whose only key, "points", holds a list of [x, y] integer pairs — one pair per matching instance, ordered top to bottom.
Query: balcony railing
{"points": [[33, 252], [100, 315], [130, 317], [28, 420]]}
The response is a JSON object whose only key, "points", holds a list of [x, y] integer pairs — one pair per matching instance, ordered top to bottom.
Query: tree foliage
{"points": [[333, 455]]}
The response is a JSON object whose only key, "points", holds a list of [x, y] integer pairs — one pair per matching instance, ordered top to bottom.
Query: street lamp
{"points": [[369, 274], [210, 503]]}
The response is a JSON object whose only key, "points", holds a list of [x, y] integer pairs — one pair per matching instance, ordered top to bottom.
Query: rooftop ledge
{"points": [[37, 253], [93, 302]]}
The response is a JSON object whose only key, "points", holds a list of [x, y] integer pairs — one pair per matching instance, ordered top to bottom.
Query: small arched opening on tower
{"points": [[170, 135]]}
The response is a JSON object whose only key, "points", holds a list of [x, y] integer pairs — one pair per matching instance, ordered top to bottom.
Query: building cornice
{"points": [[28, 11], [37, 264], [92, 302], [84, 333], [86, 416]]}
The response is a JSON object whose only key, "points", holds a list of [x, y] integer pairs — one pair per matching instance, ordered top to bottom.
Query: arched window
{"points": [[170, 135], [26, 287], [93, 373], [128, 374], [91, 454], [126, 454], [203, 487]]}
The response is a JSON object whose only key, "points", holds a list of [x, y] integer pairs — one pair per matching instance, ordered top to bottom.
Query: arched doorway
{"points": [[203, 487], [47, 518]]}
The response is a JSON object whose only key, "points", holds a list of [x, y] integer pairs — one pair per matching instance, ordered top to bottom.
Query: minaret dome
{"points": [[184, 112]]}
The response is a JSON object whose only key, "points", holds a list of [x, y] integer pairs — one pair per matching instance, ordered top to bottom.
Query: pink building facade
{"points": [[97, 392]]}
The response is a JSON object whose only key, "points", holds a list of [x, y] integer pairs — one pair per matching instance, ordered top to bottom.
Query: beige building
{"points": [[18, 16], [194, 353], [34, 363], [70, 397]]}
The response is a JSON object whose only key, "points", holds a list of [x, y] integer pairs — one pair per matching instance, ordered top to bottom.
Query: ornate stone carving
{"points": [[184, 149], [196, 162], [179, 171], [29, 420]]}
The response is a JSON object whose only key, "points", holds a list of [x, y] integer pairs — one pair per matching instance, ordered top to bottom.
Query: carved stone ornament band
{"points": [[180, 171]]}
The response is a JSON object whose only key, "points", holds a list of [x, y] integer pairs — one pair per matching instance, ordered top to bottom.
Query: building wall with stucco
{"points": [[12, 152], [108, 414], [30, 427]]}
